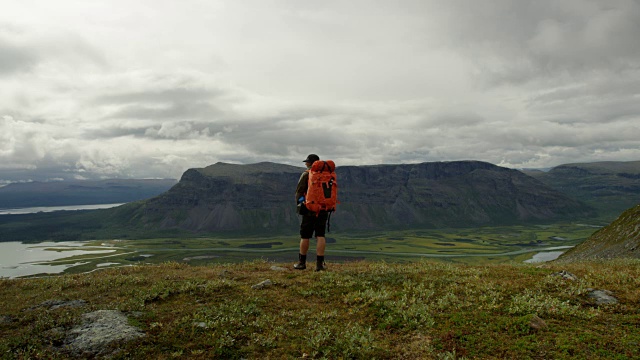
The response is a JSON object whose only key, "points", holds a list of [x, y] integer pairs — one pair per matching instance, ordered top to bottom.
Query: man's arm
{"points": [[301, 189]]}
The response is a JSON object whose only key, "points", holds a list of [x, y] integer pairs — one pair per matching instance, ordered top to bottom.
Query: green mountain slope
{"points": [[620, 239]]}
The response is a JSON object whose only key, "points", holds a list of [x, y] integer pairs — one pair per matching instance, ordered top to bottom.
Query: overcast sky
{"points": [[150, 88]]}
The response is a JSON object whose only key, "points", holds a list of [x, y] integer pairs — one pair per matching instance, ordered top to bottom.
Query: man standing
{"points": [[311, 222]]}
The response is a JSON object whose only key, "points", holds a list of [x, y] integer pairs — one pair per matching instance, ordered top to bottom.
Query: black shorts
{"points": [[312, 223]]}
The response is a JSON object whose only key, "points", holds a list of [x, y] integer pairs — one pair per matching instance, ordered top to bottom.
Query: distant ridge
{"points": [[611, 187], [81, 192]]}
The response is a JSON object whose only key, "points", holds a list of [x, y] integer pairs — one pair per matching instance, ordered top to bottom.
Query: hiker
{"points": [[311, 222]]}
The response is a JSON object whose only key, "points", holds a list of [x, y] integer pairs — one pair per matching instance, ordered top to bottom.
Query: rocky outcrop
{"points": [[260, 197], [57, 304], [98, 332]]}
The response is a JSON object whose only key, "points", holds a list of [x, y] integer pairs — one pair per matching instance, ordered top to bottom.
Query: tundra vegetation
{"points": [[356, 310]]}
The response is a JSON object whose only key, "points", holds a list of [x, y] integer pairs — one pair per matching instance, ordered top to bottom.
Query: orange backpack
{"points": [[322, 193]]}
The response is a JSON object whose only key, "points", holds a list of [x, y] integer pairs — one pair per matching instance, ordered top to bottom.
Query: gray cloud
{"points": [[519, 41], [22, 50], [16, 58], [517, 83], [172, 95], [189, 110]]}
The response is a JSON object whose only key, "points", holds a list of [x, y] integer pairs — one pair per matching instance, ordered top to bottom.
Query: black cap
{"points": [[311, 158]]}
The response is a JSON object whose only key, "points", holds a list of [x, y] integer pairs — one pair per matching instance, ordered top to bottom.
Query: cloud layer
{"points": [[114, 89]]}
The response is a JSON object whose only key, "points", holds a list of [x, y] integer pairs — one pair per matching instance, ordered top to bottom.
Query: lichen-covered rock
{"points": [[566, 275], [262, 285], [602, 297], [56, 304], [536, 323], [100, 329]]}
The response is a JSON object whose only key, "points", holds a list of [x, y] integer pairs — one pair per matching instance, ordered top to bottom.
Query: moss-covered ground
{"points": [[371, 309]]}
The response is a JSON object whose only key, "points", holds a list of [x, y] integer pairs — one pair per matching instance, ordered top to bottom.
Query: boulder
{"points": [[99, 330]]}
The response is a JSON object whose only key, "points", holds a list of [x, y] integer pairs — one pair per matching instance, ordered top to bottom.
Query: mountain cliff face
{"points": [[611, 187], [260, 197], [619, 239]]}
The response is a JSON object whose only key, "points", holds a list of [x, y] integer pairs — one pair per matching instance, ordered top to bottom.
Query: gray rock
{"points": [[278, 268], [566, 275], [262, 285], [602, 297], [56, 304], [72, 304], [137, 314], [5, 319], [536, 323], [99, 330]]}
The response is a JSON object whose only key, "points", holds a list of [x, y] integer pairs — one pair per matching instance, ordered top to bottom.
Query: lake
{"points": [[32, 210], [548, 255], [18, 259]]}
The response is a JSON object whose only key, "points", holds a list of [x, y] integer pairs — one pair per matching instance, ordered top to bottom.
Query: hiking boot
{"points": [[302, 262], [320, 264], [321, 267]]}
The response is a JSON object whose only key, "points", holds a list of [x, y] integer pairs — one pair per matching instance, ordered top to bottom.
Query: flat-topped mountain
{"points": [[244, 172], [260, 197], [620, 239]]}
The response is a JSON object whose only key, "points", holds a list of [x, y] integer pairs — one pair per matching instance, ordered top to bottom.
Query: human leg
{"points": [[321, 222], [306, 231], [321, 244], [304, 246], [302, 256]]}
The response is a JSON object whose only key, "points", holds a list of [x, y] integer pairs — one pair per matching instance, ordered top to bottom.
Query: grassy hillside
{"points": [[621, 238], [359, 310]]}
